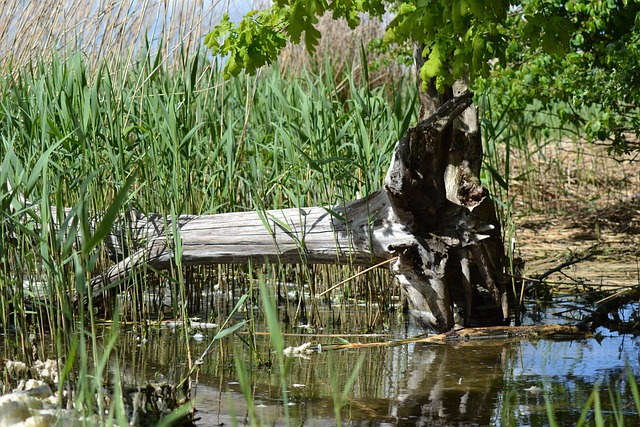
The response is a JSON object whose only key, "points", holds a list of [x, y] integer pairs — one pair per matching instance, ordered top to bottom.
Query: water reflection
{"points": [[475, 383], [451, 385]]}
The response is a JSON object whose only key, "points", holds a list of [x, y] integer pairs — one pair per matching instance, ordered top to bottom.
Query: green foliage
{"points": [[260, 36], [460, 36], [251, 44], [580, 53], [573, 59], [160, 139], [155, 140]]}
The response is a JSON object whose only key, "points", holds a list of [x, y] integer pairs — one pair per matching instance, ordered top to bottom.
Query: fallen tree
{"points": [[431, 214]]}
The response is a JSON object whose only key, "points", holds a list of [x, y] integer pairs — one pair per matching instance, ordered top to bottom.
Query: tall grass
{"points": [[89, 139]]}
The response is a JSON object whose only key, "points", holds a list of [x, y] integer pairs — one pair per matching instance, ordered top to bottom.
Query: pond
{"points": [[487, 382]]}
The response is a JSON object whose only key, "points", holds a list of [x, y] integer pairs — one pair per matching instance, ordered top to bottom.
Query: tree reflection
{"points": [[451, 385]]}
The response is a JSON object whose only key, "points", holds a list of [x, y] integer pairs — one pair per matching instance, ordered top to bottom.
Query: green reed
{"points": [[84, 143], [605, 409]]}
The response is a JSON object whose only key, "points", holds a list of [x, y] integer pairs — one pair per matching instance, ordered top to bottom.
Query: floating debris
{"points": [[195, 325], [301, 351]]}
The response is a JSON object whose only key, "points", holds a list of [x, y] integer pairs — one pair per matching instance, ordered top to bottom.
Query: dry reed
{"points": [[105, 29]]}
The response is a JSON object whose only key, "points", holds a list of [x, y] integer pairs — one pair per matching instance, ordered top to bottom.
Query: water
{"points": [[490, 382]]}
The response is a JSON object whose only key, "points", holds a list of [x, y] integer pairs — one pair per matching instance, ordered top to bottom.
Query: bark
{"points": [[456, 174], [431, 213]]}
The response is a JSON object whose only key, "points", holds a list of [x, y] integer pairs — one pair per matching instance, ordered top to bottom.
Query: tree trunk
{"points": [[432, 214], [477, 267]]}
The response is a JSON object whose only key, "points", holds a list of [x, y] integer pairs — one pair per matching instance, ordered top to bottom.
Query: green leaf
{"points": [[477, 8], [456, 17], [298, 22], [311, 38], [479, 48], [433, 66], [36, 172], [496, 175], [336, 215], [110, 216], [231, 329]]}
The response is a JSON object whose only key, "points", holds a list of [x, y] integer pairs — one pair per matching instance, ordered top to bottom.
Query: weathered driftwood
{"points": [[431, 213]]}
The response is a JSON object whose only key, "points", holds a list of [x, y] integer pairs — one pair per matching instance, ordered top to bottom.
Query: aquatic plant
{"points": [[618, 411]]}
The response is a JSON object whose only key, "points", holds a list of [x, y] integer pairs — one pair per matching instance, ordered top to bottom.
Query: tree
{"points": [[573, 56]]}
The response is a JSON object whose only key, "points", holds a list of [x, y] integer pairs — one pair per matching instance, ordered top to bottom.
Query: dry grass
{"points": [[105, 29], [109, 29], [341, 48], [573, 177], [577, 200]]}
